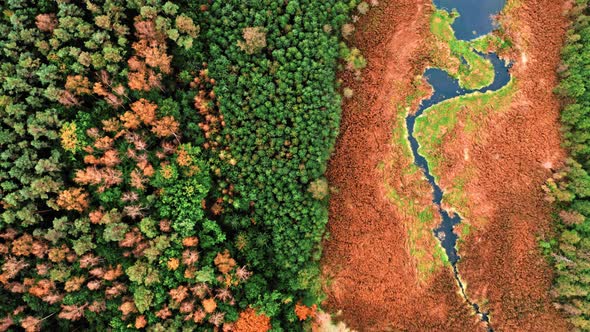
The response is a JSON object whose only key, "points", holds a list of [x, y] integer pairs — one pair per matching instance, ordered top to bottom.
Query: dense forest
{"points": [[161, 163], [570, 187]]}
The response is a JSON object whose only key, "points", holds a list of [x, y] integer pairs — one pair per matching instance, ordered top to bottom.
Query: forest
{"points": [[161, 162], [570, 187]]}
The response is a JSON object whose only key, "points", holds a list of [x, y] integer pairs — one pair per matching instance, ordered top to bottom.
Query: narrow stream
{"points": [[475, 20]]}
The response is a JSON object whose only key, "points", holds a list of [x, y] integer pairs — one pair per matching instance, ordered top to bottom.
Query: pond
{"points": [[476, 16]]}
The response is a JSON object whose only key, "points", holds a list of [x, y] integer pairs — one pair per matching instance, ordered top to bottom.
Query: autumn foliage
{"points": [[150, 60], [156, 159], [73, 199], [304, 312], [250, 321]]}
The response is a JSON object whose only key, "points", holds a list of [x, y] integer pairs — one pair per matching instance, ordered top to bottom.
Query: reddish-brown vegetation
{"points": [[46, 22], [150, 59], [513, 153], [373, 279], [304, 312], [250, 321]]}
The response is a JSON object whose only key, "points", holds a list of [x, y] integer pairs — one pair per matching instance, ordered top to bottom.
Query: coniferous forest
{"points": [[161, 162], [570, 188]]}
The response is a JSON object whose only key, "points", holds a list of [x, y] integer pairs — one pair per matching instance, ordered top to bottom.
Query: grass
{"points": [[511, 5], [375, 19], [487, 43], [461, 61], [438, 124], [400, 132], [455, 196], [419, 220], [463, 230], [427, 252]]}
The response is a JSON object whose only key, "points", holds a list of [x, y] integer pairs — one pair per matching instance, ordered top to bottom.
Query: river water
{"points": [[476, 16], [475, 20]]}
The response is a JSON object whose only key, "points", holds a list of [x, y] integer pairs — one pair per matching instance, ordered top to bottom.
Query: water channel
{"points": [[475, 20]]}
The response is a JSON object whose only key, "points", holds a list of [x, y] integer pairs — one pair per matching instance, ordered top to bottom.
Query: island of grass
{"points": [[462, 59], [438, 124], [428, 254]]}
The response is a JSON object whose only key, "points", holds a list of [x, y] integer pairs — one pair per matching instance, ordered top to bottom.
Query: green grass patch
{"points": [[511, 5], [441, 25], [489, 42], [474, 71], [438, 122], [455, 196], [463, 231], [428, 254]]}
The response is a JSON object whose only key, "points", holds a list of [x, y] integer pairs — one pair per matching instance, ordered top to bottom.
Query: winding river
{"points": [[475, 20]]}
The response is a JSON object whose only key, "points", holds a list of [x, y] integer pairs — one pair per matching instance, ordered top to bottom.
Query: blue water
{"points": [[475, 18], [445, 87]]}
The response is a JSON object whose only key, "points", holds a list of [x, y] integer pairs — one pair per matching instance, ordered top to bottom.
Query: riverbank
{"points": [[384, 269]]}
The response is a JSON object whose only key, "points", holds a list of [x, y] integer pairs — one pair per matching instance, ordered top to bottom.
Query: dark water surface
{"points": [[475, 16], [446, 87]]}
